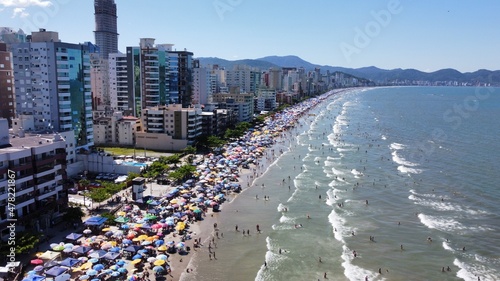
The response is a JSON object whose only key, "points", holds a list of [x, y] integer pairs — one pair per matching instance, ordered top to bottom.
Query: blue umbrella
{"points": [[125, 226], [159, 242], [115, 249], [142, 251], [137, 257], [93, 260], [120, 263], [98, 267], [158, 268], [122, 270], [91, 272], [115, 273], [84, 277]]}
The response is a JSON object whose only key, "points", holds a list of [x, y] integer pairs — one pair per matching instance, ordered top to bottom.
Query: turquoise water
{"points": [[413, 167]]}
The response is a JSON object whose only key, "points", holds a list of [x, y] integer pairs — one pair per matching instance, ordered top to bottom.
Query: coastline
{"points": [[247, 180]]}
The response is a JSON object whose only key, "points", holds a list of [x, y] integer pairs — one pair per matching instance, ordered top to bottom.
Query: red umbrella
{"points": [[156, 226], [36, 261]]}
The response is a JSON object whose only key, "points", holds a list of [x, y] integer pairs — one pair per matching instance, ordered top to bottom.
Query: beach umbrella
{"points": [[122, 220], [125, 226], [106, 229], [87, 231], [159, 242], [145, 243], [170, 243], [181, 245], [58, 248], [162, 248], [114, 249], [97, 254], [137, 257], [162, 257], [151, 259], [94, 260], [36, 261], [136, 261], [159, 262], [120, 263], [98, 267], [38, 268], [158, 268], [122, 270], [31, 272], [91, 272], [115, 274], [84, 277], [34, 278], [132, 278]]}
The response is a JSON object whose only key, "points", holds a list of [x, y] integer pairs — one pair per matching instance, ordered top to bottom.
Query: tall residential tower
{"points": [[106, 34]]}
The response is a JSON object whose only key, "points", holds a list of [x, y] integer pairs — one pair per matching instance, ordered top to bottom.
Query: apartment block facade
{"points": [[52, 83]]}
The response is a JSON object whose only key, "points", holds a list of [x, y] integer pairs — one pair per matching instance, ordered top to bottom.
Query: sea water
{"points": [[374, 184]]}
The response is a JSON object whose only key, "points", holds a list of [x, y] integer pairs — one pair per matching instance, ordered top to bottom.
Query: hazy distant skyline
{"points": [[425, 35]]}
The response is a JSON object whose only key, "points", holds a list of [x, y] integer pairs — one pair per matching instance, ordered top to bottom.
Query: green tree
{"points": [[214, 142], [189, 150], [182, 173], [132, 175], [84, 183], [98, 195], [73, 214], [111, 218], [25, 242]]}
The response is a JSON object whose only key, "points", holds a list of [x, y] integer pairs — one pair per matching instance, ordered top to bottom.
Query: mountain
{"points": [[371, 72]]}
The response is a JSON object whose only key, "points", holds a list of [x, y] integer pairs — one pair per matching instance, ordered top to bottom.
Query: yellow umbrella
{"points": [[174, 201], [121, 214], [138, 225], [180, 226], [106, 229], [142, 237], [151, 239], [136, 240], [162, 248], [136, 261], [159, 262], [86, 265]]}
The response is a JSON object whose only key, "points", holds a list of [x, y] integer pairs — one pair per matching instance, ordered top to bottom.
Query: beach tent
{"points": [[95, 221], [73, 236], [132, 248], [82, 250], [97, 254], [49, 255], [111, 255], [70, 262], [56, 271], [34, 278]]}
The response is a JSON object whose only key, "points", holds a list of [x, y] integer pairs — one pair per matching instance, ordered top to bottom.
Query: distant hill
{"points": [[371, 72]]}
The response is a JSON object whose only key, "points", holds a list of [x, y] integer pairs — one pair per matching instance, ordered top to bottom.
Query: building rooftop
{"points": [[21, 143]]}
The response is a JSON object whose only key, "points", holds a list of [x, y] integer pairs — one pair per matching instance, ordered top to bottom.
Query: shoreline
{"points": [[247, 180]]}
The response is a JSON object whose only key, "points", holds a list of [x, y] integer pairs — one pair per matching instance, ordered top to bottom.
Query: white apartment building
{"points": [[118, 83], [202, 85]]}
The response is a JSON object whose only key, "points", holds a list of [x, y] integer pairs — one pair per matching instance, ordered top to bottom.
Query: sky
{"points": [[421, 34]]}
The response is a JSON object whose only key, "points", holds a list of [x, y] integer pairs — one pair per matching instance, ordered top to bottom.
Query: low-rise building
{"points": [[170, 127], [116, 130]]}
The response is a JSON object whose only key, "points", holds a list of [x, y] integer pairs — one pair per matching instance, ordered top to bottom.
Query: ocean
{"points": [[397, 183]]}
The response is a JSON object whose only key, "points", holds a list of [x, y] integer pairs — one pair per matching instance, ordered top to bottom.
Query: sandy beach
{"points": [[185, 215]]}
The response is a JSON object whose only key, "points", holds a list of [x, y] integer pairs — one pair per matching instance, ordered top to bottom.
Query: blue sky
{"points": [[424, 34]]}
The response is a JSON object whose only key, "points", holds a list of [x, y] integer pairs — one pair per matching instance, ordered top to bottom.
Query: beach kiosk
{"points": [[138, 185]]}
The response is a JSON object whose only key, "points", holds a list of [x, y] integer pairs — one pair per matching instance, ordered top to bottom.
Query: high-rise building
{"points": [[106, 31], [150, 75], [118, 84], [202, 84], [53, 85], [7, 104]]}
